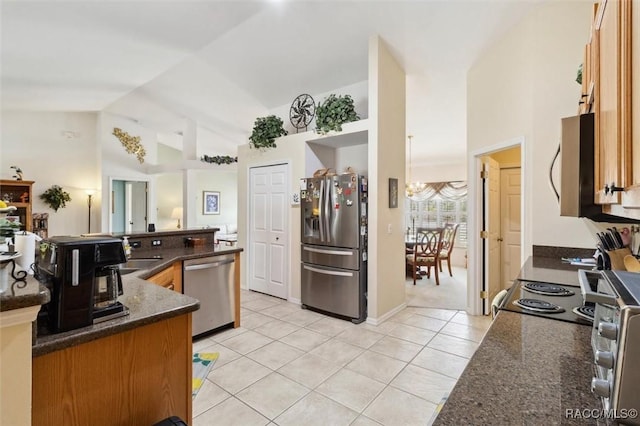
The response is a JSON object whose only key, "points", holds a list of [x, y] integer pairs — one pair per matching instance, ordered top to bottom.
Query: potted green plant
{"points": [[333, 112], [265, 132], [55, 197]]}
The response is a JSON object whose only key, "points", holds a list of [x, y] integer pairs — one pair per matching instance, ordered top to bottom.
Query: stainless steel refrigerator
{"points": [[334, 245]]}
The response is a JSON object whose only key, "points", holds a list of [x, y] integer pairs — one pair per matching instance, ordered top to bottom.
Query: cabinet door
{"points": [[612, 107], [163, 278]]}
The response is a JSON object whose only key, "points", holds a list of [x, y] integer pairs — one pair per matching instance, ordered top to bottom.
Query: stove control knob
{"points": [[608, 330], [604, 359], [600, 387]]}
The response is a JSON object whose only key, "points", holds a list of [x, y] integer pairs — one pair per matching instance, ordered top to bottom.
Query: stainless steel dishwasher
{"points": [[210, 280]]}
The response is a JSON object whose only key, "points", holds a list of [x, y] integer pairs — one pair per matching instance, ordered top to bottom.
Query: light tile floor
{"points": [[289, 366]]}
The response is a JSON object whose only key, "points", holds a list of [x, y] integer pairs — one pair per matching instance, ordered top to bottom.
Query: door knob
{"points": [[500, 239]]}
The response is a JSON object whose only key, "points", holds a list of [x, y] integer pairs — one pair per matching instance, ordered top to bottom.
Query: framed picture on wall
{"points": [[393, 193], [210, 202]]}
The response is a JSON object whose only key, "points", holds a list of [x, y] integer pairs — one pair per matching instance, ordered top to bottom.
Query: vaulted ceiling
{"points": [[223, 63]]}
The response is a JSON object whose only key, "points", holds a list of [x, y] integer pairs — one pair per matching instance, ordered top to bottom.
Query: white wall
{"points": [[521, 87], [36, 142], [225, 182]]}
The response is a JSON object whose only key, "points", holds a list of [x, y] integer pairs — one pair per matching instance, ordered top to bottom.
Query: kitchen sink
{"points": [[135, 264], [125, 271]]}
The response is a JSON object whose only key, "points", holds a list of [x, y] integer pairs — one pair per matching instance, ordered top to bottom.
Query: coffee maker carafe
{"points": [[84, 280]]}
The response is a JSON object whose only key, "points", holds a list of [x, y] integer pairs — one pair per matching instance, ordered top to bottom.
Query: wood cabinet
{"points": [[611, 58], [19, 193], [170, 277], [137, 377]]}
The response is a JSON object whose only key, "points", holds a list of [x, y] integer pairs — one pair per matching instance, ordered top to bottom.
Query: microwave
{"points": [[577, 171]]}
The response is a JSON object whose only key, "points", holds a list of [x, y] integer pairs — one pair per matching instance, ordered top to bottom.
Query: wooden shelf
{"points": [[12, 191]]}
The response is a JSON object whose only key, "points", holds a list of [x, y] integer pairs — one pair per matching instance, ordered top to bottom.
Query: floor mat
{"points": [[202, 364]]}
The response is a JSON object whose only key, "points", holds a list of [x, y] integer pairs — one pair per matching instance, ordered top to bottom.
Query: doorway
{"points": [[129, 203], [268, 230], [497, 241]]}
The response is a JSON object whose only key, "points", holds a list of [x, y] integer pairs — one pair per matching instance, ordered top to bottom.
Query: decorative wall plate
{"points": [[302, 111]]}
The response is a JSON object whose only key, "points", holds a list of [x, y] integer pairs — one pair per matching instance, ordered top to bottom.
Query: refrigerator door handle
{"points": [[320, 210], [327, 210], [321, 251], [323, 271]]}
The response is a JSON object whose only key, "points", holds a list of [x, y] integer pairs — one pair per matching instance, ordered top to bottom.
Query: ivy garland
{"points": [[219, 159]]}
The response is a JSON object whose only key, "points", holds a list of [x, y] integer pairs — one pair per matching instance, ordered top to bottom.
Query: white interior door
{"points": [[491, 182], [510, 225], [268, 230]]}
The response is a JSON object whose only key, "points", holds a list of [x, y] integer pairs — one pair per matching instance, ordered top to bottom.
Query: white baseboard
{"points": [[294, 300], [383, 318]]}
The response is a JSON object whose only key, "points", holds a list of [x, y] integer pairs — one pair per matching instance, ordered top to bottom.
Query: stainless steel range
{"points": [[549, 300], [615, 340]]}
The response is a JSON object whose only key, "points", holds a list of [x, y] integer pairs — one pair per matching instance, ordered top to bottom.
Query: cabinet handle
{"points": [[613, 188]]}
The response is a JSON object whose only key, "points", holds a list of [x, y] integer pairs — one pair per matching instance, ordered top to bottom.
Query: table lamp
{"points": [[177, 214]]}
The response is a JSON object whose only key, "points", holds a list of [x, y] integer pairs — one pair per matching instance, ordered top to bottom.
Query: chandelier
{"points": [[413, 188]]}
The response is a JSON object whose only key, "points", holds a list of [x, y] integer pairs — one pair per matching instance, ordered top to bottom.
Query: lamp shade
{"points": [[176, 213]]}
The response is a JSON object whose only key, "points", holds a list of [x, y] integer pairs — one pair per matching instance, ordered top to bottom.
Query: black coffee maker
{"points": [[83, 277]]}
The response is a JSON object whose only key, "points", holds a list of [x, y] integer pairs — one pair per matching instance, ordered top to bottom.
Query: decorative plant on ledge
{"points": [[333, 112], [265, 132], [219, 159], [55, 197]]}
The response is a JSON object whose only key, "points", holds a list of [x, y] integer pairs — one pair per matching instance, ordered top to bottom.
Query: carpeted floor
{"points": [[450, 294]]}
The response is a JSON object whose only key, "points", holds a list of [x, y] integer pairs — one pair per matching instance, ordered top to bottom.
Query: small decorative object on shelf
{"points": [[302, 111], [333, 112], [265, 132], [131, 143], [219, 159], [18, 174], [55, 197], [41, 224]]}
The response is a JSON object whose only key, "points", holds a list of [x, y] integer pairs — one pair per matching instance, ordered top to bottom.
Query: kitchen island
{"points": [[135, 369], [528, 370]]}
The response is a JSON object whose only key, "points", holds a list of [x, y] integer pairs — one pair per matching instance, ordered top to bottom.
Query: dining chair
{"points": [[448, 238], [427, 248]]}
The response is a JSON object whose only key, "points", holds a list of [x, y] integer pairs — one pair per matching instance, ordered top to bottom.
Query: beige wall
{"points": [[521, 87], [387, 106], [509, 156], [15, 365]]}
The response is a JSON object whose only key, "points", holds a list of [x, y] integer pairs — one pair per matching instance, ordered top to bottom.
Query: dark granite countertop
{"points": [[166, 257], [550, 269], [23, 295], [147, 302], [528, 370]]}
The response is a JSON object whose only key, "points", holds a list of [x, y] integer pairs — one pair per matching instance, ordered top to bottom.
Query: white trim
{"points": [[474, 216], [294, 300], [18, 316], [383, 318]]}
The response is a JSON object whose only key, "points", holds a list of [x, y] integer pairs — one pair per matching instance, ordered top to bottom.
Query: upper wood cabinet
{"points": [[611, 56]]}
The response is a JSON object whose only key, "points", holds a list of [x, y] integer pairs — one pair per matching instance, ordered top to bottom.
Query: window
{"points": [[436, 212]]}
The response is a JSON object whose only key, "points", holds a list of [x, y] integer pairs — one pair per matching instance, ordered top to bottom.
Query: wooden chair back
{"points": [[449, 237], [428, 244]]}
